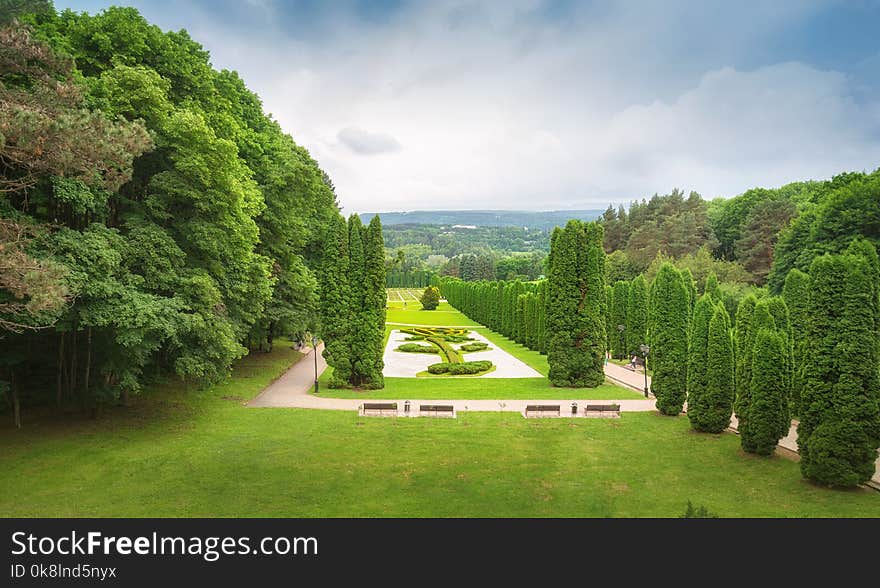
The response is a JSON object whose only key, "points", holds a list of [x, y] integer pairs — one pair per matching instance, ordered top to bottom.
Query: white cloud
{"points": [[497, 105], [366, 142]]}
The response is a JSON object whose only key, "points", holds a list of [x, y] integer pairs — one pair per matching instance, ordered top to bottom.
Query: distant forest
{"points": [[749, 241]]}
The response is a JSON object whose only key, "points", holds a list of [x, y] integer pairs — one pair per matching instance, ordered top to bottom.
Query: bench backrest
{"points": [[380, 406], [436, 407], [542, 407], [602, 407]]}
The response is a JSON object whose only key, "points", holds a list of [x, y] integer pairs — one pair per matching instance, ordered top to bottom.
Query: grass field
{"points": [[413, 314], [470, 388], [179, 452]]}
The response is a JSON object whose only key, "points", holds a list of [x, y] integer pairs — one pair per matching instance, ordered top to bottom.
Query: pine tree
{"points": [[796, 294], [619, 299], [336, 304], [637, 314], [575, 319], [669, 324], [698, 349], [768, 402], [716, 403], [839, 430]]}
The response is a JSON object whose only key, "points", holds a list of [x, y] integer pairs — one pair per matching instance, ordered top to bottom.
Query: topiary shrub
{"points": [[430, 298], [415, 338], [475, 346], [416, 348], [467, 368]]}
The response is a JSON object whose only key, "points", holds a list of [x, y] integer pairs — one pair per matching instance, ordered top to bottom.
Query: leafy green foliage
{"points": [[186, 226], [796, 294], [430, 298], [576, 306], [618, 308], [637, 315], [668, 320], [698, 359], [467, 368], [768, 419], [839, 430]]}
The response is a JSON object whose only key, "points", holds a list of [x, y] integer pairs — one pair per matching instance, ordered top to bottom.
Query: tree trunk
{"points": [[88, 360], [59, 390], [16, 403]]}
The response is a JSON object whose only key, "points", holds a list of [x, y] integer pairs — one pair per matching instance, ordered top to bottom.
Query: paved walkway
{"points": [[292, 389]]}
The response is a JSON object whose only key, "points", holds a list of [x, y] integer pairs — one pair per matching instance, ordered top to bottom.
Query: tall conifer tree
{"points": [[575, 305], [669, 324]]}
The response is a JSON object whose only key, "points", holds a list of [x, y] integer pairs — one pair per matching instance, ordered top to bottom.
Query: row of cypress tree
{"points": [[353, 302], [513, 308], [813, 352]]}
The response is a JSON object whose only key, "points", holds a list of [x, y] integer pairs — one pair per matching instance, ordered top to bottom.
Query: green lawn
{"points": [[413, 314], [471, 388], [181, 452]]}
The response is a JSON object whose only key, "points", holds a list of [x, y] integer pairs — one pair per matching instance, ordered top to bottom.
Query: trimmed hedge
{"points": [[475, 346], [416, 348], [460, 369]]}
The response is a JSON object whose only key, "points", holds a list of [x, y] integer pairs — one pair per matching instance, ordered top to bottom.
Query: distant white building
{"points": [[464, 226]]}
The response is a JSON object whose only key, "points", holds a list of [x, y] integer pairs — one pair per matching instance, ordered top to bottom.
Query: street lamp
{"points": [[645, 349], [315, 351]]}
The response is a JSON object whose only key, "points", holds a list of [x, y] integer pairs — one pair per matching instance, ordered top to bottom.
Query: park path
{"points": [[291, 390]]}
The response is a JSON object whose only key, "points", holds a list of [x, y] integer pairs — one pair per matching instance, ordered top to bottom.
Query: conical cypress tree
{"points": [[687, 277], [713, 289], [796, 294], [619, 299], [335, 304], [374, 305], [779, 312], [637, 315], [609, 318], [761, 319], [575, 320], [668, 320], [358, 329], [743, 342], [698, 348], [716, 402], [768, 404], [839, 430]]}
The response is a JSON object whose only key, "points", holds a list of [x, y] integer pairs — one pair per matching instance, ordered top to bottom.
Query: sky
{"points": [[551, 104]]}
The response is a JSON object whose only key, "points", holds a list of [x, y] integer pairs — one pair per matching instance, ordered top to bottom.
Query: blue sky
{"points": [[531, 104]]}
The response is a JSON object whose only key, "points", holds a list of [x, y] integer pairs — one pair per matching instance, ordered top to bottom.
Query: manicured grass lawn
{"points": [[412, 314], [471, 388], [181, 452]]}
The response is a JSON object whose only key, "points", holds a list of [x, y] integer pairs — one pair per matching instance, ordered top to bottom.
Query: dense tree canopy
{"points": [[166, 223]]}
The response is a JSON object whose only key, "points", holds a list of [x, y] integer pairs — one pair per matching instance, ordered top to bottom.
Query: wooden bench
{"points": [[379, 409], [437, 410], [542, 410], [610, 410]]}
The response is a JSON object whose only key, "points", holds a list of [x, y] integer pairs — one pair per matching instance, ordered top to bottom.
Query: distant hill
{"points": [[484, 218]]}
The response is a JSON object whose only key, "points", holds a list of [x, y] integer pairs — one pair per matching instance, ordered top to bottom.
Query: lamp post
{"points": [[645, 349], [315, 351]]}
